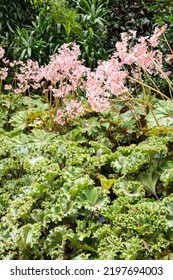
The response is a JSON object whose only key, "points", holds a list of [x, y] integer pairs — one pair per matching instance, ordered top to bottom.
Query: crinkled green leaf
{"points": [[79, 184], [128, 188], [28, 235]]}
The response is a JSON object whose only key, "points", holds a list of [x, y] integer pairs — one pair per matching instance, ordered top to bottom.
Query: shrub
{"points": [[13, 15], [126, 15]]}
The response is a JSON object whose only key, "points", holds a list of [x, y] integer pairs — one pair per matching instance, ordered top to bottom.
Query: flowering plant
{"points": [[70, 83], [86, 153]]}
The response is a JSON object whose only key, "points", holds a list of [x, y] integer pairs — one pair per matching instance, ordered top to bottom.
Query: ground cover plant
{"points": [[86, 168]]}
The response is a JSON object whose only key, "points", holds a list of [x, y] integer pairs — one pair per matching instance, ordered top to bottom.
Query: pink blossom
{"points": [[133, 33], [154, 39], [2, 52], [141, 55], [169, 58], [5, 60], [18, 62], [12, 64], [65, 71], [3, 73], [65, 74], [136, 74], [29, 75], [164, 75], [107, 80], [43, 83], [35, 85], [8, 87], [50, 88], [18, 91], [95, 93], [60, 119]]}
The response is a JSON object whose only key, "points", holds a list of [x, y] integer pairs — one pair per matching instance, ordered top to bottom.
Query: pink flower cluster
{"points": [[155, 38], [142, 54], [65, 74], [29, 76], [110, 76], [107, 80], [71, 110]]}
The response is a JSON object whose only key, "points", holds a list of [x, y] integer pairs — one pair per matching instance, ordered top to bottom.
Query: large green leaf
{"points": [[161, 115], [20, 120], [41, 137], [149, 180], [79, 184], [130, 188], [93, 198], [28, 235]]}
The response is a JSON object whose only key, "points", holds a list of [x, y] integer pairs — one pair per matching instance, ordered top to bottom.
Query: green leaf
{"points": [[29, 52], [161, 115], [20, 120], [41, 137], [20, 140], [99, 148], [149, 180], [105, 183], [79, 184], [130, 188], [93, 198], [39, 216], [169, 217], [28, 235], [55, 237], [168, 257]]}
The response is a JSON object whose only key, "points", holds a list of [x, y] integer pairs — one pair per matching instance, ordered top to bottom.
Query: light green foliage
{"points": [[64, 15], [133, 158], [167, 174], [47, 182], [101, 185], [128, 188], [88, 190], [51, 201], [132, 224]]}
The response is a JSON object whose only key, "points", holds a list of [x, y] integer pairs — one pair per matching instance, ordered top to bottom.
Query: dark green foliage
{"points": [[162, 13], [13, 14], [126, 15], [93, 16], [52, 23], [38, 28], [37, 41]]}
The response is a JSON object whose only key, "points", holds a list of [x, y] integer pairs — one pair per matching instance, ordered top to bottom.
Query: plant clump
{"points": [[86, 166]]}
